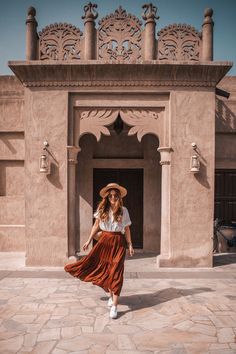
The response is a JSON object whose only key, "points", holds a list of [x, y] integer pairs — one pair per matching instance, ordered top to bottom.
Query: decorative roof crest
{"points": [[150, 13], [90, 14]]}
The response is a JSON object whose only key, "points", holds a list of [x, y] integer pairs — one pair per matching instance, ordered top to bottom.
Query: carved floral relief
{"points": [[119, 37], [60, 41], [179, 42], [142, 121]]}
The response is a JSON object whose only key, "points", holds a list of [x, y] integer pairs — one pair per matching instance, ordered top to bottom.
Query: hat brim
{"points": [[103, 191]]}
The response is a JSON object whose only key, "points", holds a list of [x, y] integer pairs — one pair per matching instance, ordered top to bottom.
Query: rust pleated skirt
{"points": [[104, 265]]}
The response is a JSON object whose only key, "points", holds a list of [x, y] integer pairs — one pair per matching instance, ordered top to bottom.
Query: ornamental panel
{"points": [[119, 37], [60, 41], [179, 42], [141, 121]]}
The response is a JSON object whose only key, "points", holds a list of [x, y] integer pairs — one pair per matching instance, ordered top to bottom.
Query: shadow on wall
{"points": [[225, 118], [54, 176], [201, 176], [2, 179], [224, 259]]}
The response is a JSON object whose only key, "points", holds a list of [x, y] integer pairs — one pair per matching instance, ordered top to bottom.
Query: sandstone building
{"points": [[121, 102]]}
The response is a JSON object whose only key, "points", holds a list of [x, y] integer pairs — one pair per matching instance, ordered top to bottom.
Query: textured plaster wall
{"points": [[12, 154], [46, 195], [192, 196]]}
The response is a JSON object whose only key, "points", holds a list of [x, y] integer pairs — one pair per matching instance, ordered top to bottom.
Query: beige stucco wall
{"points": [[23, 131], [12, 154], [46, 195], [192, 196]]}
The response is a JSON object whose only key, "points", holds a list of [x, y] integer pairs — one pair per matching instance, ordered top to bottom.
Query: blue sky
{"points": [[13, 15]]}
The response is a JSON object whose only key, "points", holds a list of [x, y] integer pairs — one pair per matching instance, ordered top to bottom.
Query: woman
{"points": [[104, 265]]}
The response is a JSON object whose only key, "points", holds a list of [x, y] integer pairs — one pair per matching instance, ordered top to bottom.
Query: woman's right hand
{"points": [[85, 246]]}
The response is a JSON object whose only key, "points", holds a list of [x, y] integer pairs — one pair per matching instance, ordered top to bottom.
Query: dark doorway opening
{"points": [[132, 180], [225, 195]]}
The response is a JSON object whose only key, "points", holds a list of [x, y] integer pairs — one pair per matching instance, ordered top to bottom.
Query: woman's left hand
{"points": [[131, 250]]}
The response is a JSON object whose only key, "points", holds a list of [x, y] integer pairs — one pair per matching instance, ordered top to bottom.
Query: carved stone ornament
{"points": [[150, 13], [90, 14], [119, 37], [60, 41], [179, 42], [143, 121]]}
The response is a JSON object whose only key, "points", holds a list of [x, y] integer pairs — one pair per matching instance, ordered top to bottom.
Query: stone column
{"points": [[149, 16], [90, 31], [31, 35], [207, 35], [72, 162], [165, 204]]}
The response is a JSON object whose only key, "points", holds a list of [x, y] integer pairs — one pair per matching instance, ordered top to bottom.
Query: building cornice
{"points": [[151, 73]]}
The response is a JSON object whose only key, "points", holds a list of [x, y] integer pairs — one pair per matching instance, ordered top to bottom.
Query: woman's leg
{"points": [[115, 299]]}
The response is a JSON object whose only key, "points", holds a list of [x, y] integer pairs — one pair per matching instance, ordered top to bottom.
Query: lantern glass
{"points": [[43, 164], [195, 164]]}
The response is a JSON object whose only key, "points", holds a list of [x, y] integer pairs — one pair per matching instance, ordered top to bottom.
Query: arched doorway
{"points": [[121, 158]]}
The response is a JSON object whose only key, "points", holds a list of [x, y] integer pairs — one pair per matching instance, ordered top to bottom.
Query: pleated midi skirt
{"points": [[104, 264]]}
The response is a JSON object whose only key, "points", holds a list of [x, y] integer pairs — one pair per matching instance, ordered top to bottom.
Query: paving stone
{"points": [[61, 311], [24, 318], [222, 321], [101, 322], [10, 324], [185, 325], [33, 328], [87, 329], [126, 329], [204, 329], [70, 332], [9, 334], [49, 334], [226, 335], [30, 339], [150, 340], [85, 341], [124, 342], [12, 344], [218, 346], [44, 347], [199, 348], [59, 351], [222, 351], [128, 352]]}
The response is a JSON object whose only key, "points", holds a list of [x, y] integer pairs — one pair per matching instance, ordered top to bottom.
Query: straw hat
{"points": [[122, 190]]}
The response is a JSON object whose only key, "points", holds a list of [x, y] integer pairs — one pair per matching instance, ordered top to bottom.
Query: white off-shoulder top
{"points": [[111, 224]]}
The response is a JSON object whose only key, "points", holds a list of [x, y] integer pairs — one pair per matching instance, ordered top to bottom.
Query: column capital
{"points": [[72, 153], [165, 155]]}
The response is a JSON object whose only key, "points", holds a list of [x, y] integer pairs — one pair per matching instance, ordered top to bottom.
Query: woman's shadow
{"points": [[141, 301]]}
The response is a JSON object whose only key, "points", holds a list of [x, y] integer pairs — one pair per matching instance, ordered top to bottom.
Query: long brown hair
{"points": [[104, 206]]}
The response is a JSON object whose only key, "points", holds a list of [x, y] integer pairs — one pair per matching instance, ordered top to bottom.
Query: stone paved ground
{"points": [[161, 311]]}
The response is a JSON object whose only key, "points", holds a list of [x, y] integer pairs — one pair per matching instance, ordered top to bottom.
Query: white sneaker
{"points": [[110, 302], [113, 312]]}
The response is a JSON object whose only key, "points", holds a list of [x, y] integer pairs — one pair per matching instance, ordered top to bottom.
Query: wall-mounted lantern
{"points": [[194, 161], [44, 165]]}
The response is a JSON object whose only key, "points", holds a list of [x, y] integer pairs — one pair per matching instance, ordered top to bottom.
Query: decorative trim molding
{"points": [[120, 83], [142, 121], [72, 154], [164, 163]]}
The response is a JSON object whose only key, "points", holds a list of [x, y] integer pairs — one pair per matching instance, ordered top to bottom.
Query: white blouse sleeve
{"points": [[126, 217]]}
